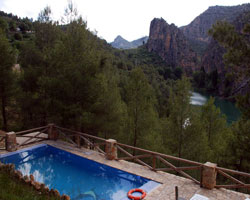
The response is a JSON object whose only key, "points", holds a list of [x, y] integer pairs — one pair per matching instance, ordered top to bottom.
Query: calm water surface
{"points": [[228, 108]]}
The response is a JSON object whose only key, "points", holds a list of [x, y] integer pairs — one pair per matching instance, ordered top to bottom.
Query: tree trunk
{"points": [[5, 124], [135, 131], [180, 140]]}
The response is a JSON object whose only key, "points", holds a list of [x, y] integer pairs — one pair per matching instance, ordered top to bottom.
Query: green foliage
{"points": [[3, 25], [12, 25], [18, 36], [237, 44], [237, 58], [7, 60], [178, 72], [199, 78], [67, 79], [206, 81], [243, 103], [142, 116], [179, 117], [216, 130], [194, 134], [241, 145]]}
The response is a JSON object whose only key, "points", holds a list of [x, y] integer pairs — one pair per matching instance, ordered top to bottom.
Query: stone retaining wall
{"points": [[29, 180]]}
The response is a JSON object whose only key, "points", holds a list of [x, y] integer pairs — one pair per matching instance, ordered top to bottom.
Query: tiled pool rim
{"points": [[148, 187]]}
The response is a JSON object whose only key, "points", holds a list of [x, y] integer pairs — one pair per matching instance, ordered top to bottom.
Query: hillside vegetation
{"points": [[70, 77]]}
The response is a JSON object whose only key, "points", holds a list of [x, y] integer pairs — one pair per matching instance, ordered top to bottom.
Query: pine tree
{"points": [[7, 60], [179, 109], [142, 116], [216, 129], [183, 133]]}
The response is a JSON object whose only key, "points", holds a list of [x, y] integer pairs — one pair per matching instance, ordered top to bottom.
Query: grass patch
{"points": [[11, 189]]}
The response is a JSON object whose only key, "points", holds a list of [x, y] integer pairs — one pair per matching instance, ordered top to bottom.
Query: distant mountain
{"points": [[197, 30], [139, 42], [169, 42], [121, 43]]}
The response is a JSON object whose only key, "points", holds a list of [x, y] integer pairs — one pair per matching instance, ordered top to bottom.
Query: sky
{"points": [[110, 18]]}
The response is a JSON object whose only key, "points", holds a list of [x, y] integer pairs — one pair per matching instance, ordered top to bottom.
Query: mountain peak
{"points": [[119, 38], [121, 43]]}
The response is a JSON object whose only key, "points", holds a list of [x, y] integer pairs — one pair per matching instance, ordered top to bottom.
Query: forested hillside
{"points": [[70, 77]]}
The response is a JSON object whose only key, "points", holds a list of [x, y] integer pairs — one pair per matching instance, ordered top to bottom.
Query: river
{"points": [[228, 108]]}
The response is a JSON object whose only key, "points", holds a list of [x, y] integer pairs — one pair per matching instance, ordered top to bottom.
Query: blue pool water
{"points": [[80, 178]]}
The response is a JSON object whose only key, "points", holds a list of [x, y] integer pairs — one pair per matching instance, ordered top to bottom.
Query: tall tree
{"points": [[4, 25], [237, 44], [7, 60], [37, 62], [179, 109], [142, 116], [216, 130], [183, 133], [240, 156]]}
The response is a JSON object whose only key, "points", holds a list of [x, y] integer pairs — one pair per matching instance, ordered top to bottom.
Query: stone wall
{"points": [[29, 180]]}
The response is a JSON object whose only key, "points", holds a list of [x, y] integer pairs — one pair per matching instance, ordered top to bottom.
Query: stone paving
{"points": [[166, 191]]}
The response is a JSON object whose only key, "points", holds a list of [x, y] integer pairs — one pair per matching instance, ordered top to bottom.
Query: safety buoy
{"points": [[136, 197]]}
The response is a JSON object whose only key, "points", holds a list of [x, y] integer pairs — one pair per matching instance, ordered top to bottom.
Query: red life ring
{"points": [[136, 190]]}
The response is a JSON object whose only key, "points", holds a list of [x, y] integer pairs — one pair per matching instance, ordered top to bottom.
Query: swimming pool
{"points": [[78, 177]]}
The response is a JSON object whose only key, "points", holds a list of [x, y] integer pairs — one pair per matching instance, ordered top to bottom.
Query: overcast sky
{"points": [[128, 18]]}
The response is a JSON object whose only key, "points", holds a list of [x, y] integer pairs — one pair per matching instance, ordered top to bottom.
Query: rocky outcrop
{"points": [[197, 30], [121, 43], [171, 45], [212, 60]]}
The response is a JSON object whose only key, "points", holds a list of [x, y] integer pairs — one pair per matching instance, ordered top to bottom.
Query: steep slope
{"points": [[198, 28], [139, 42], [121, 43], [171, 45], [212, 61]]}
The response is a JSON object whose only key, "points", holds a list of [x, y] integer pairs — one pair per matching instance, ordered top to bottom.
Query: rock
{"points": [[197, 30], [171, 45], [212, 60], [19, 174], [32, 177], [26, 179], [37, 185], [46, 190], [51, 192], [56, 193], [65, 197]]}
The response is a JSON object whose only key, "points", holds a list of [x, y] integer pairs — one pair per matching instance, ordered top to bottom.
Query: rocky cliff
{"points": [[198, 28], [169, 42], [191, 48], [212, 59]]}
